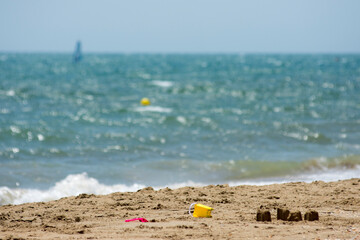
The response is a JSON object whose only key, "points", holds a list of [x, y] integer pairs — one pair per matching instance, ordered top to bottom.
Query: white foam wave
{"points": [[164, 84], [153, 109], [76, 184], [72, 185]]}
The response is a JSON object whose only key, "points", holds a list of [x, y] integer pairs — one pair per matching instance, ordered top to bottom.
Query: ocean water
{"points": [[68, 128]]}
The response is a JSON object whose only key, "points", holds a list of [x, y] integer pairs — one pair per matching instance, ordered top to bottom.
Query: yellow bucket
{"points": [[201, 210]]}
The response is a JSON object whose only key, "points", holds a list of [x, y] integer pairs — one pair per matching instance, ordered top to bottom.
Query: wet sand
{"points": [[234, 215]]}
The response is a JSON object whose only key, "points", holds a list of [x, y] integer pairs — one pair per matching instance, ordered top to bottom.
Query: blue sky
{"points": [[186, 26]]}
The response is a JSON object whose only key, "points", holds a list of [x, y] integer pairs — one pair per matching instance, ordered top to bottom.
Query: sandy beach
{"points": [[234, 215]]}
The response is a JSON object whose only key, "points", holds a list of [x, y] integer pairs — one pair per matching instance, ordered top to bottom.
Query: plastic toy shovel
{"points": [[135, 219]]}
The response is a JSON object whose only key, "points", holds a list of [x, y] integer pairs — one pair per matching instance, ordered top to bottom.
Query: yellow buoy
{"points": [[145, 101]]}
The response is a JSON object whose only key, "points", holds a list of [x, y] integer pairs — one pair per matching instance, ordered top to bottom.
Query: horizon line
{"points": [[181, 52]]}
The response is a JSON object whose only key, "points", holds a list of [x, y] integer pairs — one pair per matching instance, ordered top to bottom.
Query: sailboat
{"points": [[77, 56]]}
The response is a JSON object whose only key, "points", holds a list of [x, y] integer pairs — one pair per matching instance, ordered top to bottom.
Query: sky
{"points": [[181, 26]]}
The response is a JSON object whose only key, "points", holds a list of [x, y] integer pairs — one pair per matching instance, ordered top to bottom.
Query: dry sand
{"points": [[234, 215]]}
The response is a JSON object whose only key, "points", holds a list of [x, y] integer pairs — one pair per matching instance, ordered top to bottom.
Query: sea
{"points": [[79, 127]]}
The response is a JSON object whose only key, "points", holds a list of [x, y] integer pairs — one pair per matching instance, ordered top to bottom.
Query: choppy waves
{"points": [[212, 119]]}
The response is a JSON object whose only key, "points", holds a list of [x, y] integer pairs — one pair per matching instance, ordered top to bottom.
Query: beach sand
{"points": [[234, 215]]}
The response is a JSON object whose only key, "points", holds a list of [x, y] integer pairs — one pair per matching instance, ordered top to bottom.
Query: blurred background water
{"points": [[68, 128]]}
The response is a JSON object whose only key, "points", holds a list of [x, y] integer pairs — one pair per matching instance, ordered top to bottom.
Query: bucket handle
{"points": [[191, 207]]}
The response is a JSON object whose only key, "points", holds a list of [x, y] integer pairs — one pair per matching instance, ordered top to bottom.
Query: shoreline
{"points": [[75, 184], [89, 216]]}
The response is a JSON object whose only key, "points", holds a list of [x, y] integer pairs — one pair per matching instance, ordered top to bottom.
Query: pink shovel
{"points": [[135, 219]]}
